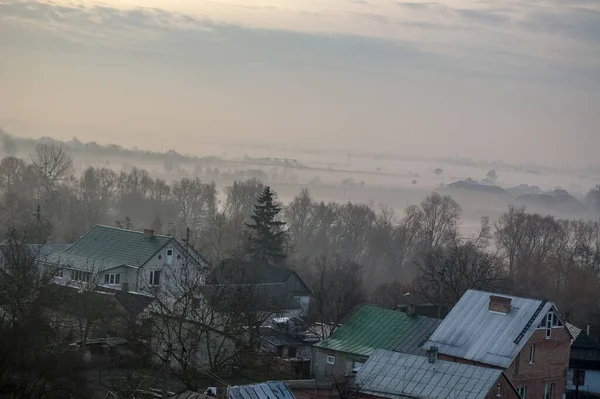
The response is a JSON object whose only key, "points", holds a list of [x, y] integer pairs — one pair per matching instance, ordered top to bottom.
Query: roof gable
{"points": [[106, 247], [370, 328], [472, 332], [394, 375]]}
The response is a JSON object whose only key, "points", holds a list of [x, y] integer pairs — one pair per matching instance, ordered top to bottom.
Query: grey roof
{"points": [[106, 247], [233, 271], [471, 331], [279, 338], [413, 340], [401, 375], [266, 390]]}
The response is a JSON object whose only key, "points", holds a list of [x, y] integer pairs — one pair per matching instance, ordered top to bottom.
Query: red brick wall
{"points": [[551, 363]]}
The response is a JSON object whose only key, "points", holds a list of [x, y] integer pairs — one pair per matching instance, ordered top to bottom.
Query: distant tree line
{"points": [[385, 253]]}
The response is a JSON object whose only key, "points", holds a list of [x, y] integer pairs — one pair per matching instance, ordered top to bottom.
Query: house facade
{"points": [[125, 259], [526, 338], [584, 366]]}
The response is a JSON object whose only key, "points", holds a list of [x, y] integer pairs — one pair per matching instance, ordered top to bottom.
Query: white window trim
{"points": [[112, 277], [152, 278], [532, 354], [330, 359], [522, 391]]}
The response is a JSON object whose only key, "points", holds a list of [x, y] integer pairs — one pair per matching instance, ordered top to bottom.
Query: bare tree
{"points": [[52, 163], [447, 272], [336, 286], [29, 365]]}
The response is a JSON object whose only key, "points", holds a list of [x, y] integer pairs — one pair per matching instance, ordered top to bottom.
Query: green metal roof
{"points": [[106, 247], [370, 328]]}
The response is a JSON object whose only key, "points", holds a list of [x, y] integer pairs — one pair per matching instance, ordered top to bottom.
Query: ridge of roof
{"points": [[141, 232]]}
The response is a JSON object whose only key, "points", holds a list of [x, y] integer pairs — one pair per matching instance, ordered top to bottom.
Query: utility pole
{"points": [[166, 370]]}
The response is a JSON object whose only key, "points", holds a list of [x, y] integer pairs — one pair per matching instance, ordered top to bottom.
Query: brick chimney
{"points": [[148, 233], [500, 304]]}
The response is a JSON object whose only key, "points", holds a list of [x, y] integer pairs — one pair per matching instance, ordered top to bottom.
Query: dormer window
{"points": [[170, 256], [549, 322]]}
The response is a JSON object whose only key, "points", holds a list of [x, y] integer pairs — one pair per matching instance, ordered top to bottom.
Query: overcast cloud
{"points": [[518, 80]]}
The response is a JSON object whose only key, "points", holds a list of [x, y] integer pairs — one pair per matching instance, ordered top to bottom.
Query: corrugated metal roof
{"points": [[106, 247], [370, 328], [471, 331], [400, 375], [266, 390]]}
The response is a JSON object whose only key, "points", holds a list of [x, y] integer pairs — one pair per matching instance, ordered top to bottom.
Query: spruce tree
{"points": [[267, 236]]}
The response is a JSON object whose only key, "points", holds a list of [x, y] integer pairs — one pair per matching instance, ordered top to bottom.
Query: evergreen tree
{"points": [[267, 236]]}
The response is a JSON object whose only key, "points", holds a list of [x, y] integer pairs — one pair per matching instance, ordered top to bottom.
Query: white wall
{"points": [[592, 381]]}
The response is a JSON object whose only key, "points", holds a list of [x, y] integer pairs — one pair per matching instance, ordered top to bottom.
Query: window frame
{"points": [[112, 278], [154, 281], [532, 354], [330, 360], [522, 392], [549, 395]]}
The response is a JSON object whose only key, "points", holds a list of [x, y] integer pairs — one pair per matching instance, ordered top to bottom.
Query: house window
{"points": [[169, 256], [60, 273], [78, 275], [112, 278], [155, 278], [549, 321], [292, 352], [532, 354], [330, 359], [522, 391], [549, 391]]}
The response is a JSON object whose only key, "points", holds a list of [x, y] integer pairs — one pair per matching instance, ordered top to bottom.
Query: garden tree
{"points": [[52, 163], [492, 175], [97, 192], [241, 198], [196, 203], [299, 216], [438, 219], [352, 229], [509, 235], [267, 237], [447, 272], [336, 287], [210, 321], [29, 366]]}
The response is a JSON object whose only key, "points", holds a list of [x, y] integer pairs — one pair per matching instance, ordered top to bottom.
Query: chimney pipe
{"points": [[148, 233], [500, 304], [410, 309], [587, 330], [432, 354]]}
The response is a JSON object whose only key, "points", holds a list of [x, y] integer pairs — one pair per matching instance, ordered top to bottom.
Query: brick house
{"points": [[526, 338]]}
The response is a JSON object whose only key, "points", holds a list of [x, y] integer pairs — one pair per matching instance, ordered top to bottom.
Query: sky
{"points": [[517, 80]]}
